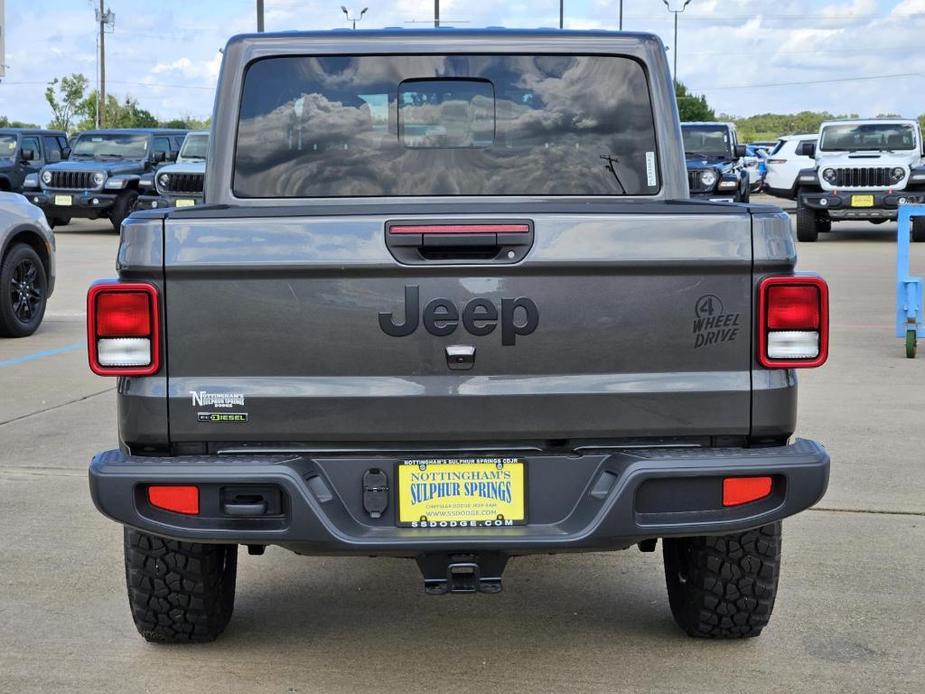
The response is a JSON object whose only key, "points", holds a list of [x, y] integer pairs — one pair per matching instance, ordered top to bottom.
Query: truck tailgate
{"points": [[642, 329]]}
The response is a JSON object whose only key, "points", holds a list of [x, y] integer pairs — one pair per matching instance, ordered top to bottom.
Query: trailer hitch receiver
{"points": [[462, 573]]}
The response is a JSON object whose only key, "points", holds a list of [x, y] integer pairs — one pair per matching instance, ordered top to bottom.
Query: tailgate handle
{"points": [[443, 242]]}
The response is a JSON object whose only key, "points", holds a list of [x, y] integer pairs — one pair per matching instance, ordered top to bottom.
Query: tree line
{"points": [[74, 107], [763, 126]]}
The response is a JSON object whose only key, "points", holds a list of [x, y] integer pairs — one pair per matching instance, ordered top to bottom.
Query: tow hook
{"points": [[462, 573]]}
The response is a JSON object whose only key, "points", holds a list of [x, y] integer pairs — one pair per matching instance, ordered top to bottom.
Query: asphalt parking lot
{"points": [[849, 617]]}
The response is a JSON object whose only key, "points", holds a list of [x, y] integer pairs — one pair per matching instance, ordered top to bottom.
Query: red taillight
{"points": [[793, 307], [123, 314], [793, 322], [123, 329], [743, 490], [176, 498]]}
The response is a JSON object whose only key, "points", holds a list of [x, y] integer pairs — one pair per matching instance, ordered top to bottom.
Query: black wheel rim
{"points": [[26, 290]]}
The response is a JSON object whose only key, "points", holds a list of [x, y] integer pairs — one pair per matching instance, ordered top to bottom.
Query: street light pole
{"points": [[676, 12], [436, 14], [561, 14], [621, 15], [260, 16], [353, 19]]}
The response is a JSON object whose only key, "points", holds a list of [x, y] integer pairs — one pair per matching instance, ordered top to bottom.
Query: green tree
{"points": [[65, 96], [690, 107], [124, 114], [187, 122], [7, 123]]}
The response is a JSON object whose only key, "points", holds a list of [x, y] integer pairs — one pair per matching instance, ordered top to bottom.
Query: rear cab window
{"points": [[445, 125]]}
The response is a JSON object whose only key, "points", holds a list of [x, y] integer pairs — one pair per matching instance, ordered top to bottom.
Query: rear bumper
{"points": [[589, 502]]}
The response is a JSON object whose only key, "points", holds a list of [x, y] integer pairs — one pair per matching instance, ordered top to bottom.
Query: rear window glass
{"points": [[445, 125]]}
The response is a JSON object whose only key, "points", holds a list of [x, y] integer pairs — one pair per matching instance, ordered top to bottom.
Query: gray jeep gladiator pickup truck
{"points": [[450, 300]]}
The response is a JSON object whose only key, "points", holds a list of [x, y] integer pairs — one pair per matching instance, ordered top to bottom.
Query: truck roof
{"points": [[363, 34], [369, 38], [871, 121], [707, 122], [31, 131], [136, 131]]}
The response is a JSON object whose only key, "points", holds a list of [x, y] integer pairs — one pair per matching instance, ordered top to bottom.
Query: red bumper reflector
{"points": [[459, 229], [742, 490], [179, 499]]}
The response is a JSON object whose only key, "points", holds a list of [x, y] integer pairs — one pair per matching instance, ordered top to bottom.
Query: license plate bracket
{"points": [[64, 200], [862, 200], [461, 493]]}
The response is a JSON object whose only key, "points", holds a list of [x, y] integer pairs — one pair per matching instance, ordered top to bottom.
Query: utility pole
{"points": [[436, 14], [561, 14], [621, 15], [260, 16], [105, 18], [101, 97]]}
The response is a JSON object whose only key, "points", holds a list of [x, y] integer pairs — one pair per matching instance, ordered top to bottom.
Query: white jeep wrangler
{"points": [[864, 170]]}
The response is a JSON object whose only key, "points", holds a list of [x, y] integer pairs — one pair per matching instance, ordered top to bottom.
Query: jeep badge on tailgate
{"points": [[479, 317]]}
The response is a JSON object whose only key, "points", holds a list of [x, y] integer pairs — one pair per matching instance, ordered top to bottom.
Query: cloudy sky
{"points": [[747, 56]]}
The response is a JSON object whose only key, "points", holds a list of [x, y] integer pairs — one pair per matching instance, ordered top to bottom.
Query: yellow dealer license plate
{"points": [[63, 200], [862, 200], [185, 202], [462, 493]]}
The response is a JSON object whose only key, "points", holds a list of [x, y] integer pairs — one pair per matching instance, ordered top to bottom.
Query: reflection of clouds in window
{"points": [[329, 127]]}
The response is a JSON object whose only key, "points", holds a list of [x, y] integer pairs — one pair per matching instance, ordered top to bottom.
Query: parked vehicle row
{"points": [[785, 163], [715, 167], [862, 170], [101, 177], [179, 184]]}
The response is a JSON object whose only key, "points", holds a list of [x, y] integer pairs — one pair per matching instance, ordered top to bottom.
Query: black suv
{"points": [[24, 151], [714, 162], [102, 177]]}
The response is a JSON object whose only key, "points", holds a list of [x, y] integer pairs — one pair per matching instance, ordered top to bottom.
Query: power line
{"points": [[800, 83]]}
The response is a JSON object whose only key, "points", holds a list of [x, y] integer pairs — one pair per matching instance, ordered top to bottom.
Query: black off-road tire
{"points": [[122, 208], [59, 221], [807, 225], [918, 229], [23, 291], [723, 587], [179, 592]]}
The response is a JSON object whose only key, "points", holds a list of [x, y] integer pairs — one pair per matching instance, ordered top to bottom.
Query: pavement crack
{"points": [[55, 407], [868, 510]]}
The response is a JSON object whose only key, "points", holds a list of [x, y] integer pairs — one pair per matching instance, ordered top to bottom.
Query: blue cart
{"points": [[910, 323]]}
